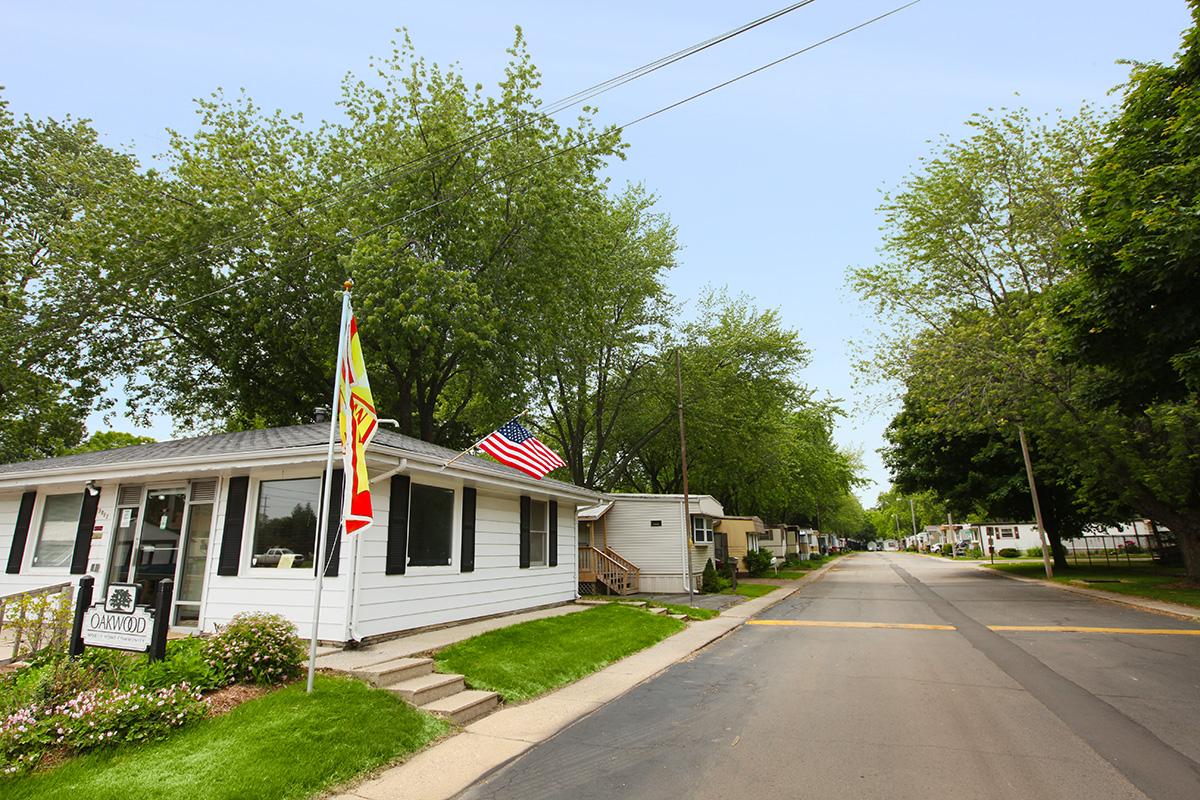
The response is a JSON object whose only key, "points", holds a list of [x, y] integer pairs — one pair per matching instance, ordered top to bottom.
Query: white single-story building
{"points": [[231, 518], [650, 536]]}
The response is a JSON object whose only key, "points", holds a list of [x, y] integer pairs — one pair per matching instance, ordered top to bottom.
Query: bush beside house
{"points": [[104, 698]]}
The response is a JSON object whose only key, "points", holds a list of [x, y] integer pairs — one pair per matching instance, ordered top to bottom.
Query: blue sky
{"points": [[773, 182]]}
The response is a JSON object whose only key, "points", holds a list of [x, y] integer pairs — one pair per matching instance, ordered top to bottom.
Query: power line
{"points": [[499, 131], [587, 140]]}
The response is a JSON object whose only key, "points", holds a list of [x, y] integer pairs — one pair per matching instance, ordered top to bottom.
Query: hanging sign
{"points": [[118, 622]]}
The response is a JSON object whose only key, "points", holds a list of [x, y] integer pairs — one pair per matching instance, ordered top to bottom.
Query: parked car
{"points": [[935, 548]]}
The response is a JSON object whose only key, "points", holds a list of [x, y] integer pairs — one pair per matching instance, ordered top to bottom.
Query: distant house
{"points": [[231, 518], [736, 536], [783, 541], [646, 542]]}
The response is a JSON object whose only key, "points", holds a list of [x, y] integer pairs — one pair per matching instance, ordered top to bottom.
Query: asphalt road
{"points": [[941, 707]]}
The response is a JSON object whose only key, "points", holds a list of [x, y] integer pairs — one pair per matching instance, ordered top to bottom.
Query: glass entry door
{"points": [[159, 540], [191, 572]]}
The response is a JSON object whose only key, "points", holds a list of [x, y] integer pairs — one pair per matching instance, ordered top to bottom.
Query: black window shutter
{"points": [[526, 513], [235, 523], [333, 527], [552, 528], [468, 531], [21, 533], [83, 533], [397, 536]]}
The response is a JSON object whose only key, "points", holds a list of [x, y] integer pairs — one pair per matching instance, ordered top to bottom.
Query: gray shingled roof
{"points": [[256, 441]]}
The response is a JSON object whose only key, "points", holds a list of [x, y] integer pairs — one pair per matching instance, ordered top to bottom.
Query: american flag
{"points": [[517, 447]]}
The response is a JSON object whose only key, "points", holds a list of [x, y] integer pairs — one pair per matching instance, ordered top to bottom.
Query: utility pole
{"points": [[1037, 507], [687, 509], [913, 513]]}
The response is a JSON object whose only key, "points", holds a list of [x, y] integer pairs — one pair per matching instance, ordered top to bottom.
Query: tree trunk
{"points": [[1185, 526], [1189, 545], [1058, 551]]}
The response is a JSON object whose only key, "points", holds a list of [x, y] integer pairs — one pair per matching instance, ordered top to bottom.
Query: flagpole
{"points": [[327, 488]]}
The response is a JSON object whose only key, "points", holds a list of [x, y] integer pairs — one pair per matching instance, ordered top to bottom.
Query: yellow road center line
{"points": [[818, 623], [1082, 629]]}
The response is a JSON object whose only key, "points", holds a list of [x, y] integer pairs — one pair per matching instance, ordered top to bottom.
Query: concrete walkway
{"points": [[451, 766]]}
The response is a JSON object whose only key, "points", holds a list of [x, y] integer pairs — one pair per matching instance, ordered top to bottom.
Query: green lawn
{"points": [[1144, 580], [751, 589], [672, 608], [525, 660], [283, 745]]}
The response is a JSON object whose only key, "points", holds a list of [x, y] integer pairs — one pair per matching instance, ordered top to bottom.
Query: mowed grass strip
{"points": [[1168, 584], [751, 589], [672, 608], [531, 658], [284, 745]]}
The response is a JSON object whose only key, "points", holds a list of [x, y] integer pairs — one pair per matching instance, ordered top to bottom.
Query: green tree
{"points": [[445, 205], [975, 246], [1129, 309], [56, 339], [757, 439], [107, 440]]}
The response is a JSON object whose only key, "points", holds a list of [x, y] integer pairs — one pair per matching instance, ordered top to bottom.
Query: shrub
{"points": [[1008, 552], [1034, 552], [793, 560], [758, 562], [709, 582], [255, 648], [93, 719]]}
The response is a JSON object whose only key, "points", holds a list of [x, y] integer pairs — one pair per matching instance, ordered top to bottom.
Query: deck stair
{"points": [[616, 573], [442, 694]]}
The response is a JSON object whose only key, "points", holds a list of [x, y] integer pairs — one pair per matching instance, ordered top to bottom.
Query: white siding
{"points": [[656, 551], [33, 578], [289, 593], [436, 595], [388, 603]]}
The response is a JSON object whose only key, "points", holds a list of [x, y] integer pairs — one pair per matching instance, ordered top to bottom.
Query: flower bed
{"points": [[105, 698]]}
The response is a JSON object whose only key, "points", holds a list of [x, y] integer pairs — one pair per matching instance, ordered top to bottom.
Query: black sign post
{"points": [[83, 599], [162, 611]]}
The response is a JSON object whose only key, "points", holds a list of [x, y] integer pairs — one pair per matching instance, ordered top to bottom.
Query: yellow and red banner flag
{"points": [[358, 422]]}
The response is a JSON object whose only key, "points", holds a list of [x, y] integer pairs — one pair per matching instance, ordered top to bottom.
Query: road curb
{"points": [[1161, 608]]}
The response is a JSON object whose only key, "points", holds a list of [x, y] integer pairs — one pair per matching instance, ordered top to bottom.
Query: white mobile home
{"points": [[231, 518], [647, 541]]}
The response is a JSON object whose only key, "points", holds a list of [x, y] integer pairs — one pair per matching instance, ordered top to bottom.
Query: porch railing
{"points": [[617, 573], [34, 620]]}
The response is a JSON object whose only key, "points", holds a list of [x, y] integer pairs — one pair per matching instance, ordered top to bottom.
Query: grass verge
{"points": [[1142, 580], [751, 589], [672, 608], [531, 658], [284, 745]]}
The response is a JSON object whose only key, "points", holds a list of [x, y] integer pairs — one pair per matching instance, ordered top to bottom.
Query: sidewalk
{"points": [[1176, 610], [452, 765]]}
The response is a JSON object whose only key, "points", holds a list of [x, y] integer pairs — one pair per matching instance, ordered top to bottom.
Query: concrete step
{"points": [[582, 602], [634, 603], [657, 610], [678, 616], [395, 671], [427, 688], [465, 706]]}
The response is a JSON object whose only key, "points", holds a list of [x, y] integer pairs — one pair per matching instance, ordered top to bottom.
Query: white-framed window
{"points": [[285, 523], [430, 525], [539, 528], [702, 529], [1008, 533], [56, 535]]}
